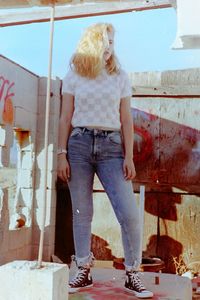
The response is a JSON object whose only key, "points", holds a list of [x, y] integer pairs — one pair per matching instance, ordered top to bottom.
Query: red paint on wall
{"points": [[8, 110], [146, 145]]}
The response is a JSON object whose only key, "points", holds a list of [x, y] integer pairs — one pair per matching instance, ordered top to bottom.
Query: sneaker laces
{"points": [[80, 275], [135, 280]]}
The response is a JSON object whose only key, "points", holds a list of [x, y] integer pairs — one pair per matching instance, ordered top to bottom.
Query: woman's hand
{"points": [[63, 168], [129, 169]]}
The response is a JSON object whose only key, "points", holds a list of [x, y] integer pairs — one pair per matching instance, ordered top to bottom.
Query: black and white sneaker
{"points": [[82, 280], [134, 285]]}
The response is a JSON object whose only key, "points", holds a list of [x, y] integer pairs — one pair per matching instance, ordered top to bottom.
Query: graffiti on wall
{"points": [[6, 95], [166, 152]]}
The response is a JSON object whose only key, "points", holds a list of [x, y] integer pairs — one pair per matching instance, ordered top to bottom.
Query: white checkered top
{"points": [[97, 101]]}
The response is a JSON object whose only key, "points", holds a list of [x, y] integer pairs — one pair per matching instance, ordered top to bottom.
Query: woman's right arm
{"points": [[63, 167]]}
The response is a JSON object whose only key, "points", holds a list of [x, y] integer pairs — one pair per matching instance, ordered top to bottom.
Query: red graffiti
{"points": [[6, 95], [146, 145]]}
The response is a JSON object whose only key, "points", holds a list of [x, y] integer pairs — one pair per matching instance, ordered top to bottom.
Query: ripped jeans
{"points": [[97, 151]]}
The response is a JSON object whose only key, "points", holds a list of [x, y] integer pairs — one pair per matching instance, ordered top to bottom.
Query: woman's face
{"points": [[110, 47]]}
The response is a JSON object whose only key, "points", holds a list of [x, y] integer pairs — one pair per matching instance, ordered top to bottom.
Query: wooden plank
{"points": [[85, 9], [190, 91], [178, 230]]}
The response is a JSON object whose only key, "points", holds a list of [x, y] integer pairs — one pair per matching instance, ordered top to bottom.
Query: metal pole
{"points": [[141, 213], [41, 244]]}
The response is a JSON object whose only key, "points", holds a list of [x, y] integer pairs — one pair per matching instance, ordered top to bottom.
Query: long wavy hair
{"points": [[88, 60]]}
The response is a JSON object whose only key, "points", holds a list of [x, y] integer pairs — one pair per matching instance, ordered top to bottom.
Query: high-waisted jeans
{"points": [[101, 152]]}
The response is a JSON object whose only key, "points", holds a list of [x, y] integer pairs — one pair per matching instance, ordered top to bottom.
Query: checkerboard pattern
{"points": [[97, 101]]}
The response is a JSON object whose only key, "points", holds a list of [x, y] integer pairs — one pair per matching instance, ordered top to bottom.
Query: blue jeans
{"points": [[101, 152]]}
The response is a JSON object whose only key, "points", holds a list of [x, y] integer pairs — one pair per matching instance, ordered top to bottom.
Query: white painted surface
{"points": [[188, 25], [19, 281]]}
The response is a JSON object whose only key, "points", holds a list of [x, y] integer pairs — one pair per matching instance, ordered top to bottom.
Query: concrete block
{"points": [[181, 77], [145, 78], [55, 86], [42, 88], [57, 100], [54, 105], [24, 119], [41, 124], [2, 135], [6, 135], [25, 139], [40, 142], [4, 156], [41, 159], [27, 160], [25, 178], [39, 179], [26, 197], [51, 198], [50, 216], [49, 235], [19, 238], [4, 241], [24, 253], [47, 253], [29, 283]]}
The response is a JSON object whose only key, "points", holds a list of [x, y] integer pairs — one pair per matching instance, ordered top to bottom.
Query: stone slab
{"points": [[21, 280], [109, 284]]}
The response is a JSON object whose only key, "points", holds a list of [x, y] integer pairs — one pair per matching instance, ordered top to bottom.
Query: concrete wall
{"points": [[165, 108], [166, 112], [22, 115], [18, 119], [49, 239]]}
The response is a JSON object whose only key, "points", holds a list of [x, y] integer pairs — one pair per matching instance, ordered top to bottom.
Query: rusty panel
{"points": [[146, 139], [167, 141], [179, 143], [178, 221]]}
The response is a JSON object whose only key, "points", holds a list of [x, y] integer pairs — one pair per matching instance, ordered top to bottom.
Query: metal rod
{"points": [[141, 214], [41, 244]]}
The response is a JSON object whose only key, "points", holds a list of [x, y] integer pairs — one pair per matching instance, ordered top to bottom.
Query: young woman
{"points": [[96, 136]]}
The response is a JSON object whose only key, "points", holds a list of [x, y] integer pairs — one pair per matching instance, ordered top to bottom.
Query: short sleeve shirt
{"points": [[97, 101]]}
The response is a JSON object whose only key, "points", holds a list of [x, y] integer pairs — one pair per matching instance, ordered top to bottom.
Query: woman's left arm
{"points": [[128, 133]]}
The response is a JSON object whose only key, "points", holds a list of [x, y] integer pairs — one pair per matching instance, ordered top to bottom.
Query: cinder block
{"points": [[56, 85], [42, 88], [54, 105], [25, 119], [2, 136], [26, 139], [4, 156], [41, 159], [27, 160], [25, 178], [39, 179], [26, 197], [39, 198], [50, 216], [49, 235], [19, 238], [47, 253], [20, 280]]}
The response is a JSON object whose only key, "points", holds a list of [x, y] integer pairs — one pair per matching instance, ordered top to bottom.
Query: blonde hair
{"points": [[88, 59]]}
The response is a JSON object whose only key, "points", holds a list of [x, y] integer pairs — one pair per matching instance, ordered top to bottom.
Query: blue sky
{"points": [[142, 43]]}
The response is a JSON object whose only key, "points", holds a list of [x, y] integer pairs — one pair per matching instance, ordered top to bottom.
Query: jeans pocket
{"points": [[76, 132], [115, 138]]}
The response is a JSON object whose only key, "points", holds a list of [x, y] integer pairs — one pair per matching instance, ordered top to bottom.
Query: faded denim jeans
{"points": [[101, 152]]}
